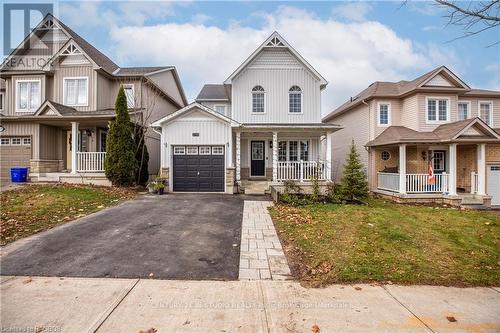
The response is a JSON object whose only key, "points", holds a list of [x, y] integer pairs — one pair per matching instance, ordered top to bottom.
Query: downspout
{"points": [[368, 171]]}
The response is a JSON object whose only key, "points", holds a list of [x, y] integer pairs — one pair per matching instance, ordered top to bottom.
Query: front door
{"points": [[258, 159]]}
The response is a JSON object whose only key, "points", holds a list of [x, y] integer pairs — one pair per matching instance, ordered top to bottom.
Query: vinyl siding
{"points": [[76, 71], [276, 72], [166, 80], [11, 91], [213, 104], [474, 105], [422, 110], [409, 112], [395, 115], [356, 125], [24, 129], [52, 142]]}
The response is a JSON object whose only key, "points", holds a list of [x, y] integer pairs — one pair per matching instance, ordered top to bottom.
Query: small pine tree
{"points": [[141, 156], [120, 163], [353, 185]]}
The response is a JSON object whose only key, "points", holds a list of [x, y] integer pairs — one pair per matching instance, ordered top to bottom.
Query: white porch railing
{"points": [[90, 161], [302, 170], [388, 181], [474, 182], [415, 183], [419, 183]]}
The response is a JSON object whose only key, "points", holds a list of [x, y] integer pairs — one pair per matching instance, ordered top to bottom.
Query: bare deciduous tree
{"points": [[473, 17]]}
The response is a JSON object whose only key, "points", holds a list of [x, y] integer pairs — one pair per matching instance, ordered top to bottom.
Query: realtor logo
{"points": [[17, 18]]}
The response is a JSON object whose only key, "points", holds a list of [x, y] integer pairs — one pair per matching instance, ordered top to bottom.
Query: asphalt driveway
{"points": [[181, 236]]}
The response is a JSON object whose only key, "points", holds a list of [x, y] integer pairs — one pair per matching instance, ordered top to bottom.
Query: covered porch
{"points": [[275, 154]]}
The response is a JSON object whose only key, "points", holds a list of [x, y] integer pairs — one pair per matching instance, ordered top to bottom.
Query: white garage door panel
{"points": [[494, 183]]}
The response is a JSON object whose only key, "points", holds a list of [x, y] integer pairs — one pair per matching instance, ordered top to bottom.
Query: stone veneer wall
{"points": [[43, 166], [165, 174], [230, 177]]}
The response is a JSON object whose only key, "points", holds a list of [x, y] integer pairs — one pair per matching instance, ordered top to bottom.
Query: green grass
{"points": [[36, 208], [384, 241]]}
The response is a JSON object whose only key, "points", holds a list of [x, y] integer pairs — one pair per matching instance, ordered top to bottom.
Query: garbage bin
{"points": [[18, 175]]}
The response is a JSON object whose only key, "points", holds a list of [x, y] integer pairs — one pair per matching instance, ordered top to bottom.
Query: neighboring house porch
{"points": [[65, 145], [464, 156]]}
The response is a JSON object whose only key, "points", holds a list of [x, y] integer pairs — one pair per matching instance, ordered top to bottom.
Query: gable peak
{"points": [[275, 42]]}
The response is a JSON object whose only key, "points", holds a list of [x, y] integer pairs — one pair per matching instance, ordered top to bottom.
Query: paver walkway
{"points": [[261, 254]]}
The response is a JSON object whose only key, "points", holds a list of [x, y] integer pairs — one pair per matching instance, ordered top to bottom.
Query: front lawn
{"points": [[35, 208], [388, 242]]}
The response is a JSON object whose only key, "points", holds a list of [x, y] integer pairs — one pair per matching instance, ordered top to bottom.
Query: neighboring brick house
{"points": [[56, 87], [401, 127]]}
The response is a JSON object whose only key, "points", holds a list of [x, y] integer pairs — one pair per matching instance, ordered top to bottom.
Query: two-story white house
{"points": [[262, 124], [402, 128]]}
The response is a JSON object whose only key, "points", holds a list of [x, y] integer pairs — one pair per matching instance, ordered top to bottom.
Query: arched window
{"points": [[295, 99], [258, 103]]}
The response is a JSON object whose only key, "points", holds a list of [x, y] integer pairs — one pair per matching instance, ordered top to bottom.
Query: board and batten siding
{"points": [[76, 71], [276, 71], [11, 84], [213, 104], [356, 125], [211, 131], [52, 142]]}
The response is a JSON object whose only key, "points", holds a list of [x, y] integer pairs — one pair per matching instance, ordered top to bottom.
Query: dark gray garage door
{"points": [[198, 169]]}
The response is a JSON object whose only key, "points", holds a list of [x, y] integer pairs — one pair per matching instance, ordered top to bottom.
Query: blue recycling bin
{"points": [[19, 175]]}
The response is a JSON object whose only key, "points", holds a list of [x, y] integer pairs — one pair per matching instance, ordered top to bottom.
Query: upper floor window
{"points": [[75, 91], [130, 94], [28, 95], [295, 100], [258, 102], [220, 109], [437, 110], [463, 110], [485, 112], [384, 114]]}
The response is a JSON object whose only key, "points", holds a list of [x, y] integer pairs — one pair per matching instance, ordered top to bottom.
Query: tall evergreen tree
{"points": [[141, 156], [120, 163], [353, 185]]}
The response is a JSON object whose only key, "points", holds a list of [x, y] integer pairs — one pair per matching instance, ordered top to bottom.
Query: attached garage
{"points": [[15, 152], [198, 168], [493, 185]]}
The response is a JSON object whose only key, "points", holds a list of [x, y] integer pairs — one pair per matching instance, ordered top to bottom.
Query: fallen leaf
{"points": [[28, 280], [358, 288], [451, 319], [187, 322], [315, 328]]}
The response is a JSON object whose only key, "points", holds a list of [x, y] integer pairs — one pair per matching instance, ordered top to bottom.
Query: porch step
{"points": [[255, 187], [472, 201]]}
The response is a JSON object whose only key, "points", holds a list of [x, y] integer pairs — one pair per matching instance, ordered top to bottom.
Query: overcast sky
{"points": [[351, 44]]}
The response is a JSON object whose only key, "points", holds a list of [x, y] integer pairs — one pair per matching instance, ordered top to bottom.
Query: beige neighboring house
{"points": [[57, 98], [401, 127]]}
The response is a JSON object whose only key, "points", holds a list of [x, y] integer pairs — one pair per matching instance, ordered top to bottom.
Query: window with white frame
{"points": [[76, 91], [130, 94], [28, 95], [258, 99], [295, 100], [1, 101], [220, 109], [437, 110], [463, 110], [485, 112], [384, 114], [5, 141], [15, 141], [26, 141], [179, 150], [192, 150], [204, 150], [282, 150], [304, 150], [217, 151], [385, 155], [439, 161]]}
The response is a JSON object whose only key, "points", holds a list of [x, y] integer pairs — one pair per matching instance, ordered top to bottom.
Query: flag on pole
{"points": [[431, 178]]}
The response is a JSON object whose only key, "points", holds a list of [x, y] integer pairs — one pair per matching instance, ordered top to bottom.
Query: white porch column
{"points": [[74, 146], [230, 149], [238, 156], [275, 156], [328, 156], [402, 168], [481, 169], [452, 183]]}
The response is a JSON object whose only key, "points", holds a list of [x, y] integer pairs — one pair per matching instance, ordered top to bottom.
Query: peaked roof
{"points": [[277, 41], [97, 56], [402, 88], [215, 92], [191, 106], [59, 109], [444, 133]]}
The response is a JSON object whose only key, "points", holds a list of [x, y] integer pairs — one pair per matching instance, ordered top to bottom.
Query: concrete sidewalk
{"points": [[130, 305]]}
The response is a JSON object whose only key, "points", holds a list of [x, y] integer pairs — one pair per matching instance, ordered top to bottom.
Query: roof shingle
{"points": [[214, 92]]}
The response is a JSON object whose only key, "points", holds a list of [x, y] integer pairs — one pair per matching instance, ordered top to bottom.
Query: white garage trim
{"points": [[493, 184]]}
